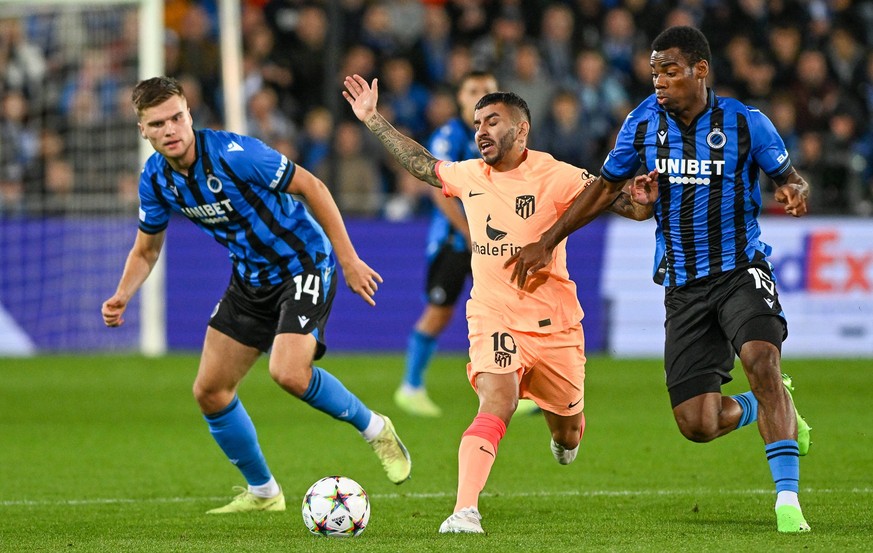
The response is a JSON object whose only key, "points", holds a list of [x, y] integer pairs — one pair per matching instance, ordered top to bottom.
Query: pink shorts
{"points": [[550, 367]]}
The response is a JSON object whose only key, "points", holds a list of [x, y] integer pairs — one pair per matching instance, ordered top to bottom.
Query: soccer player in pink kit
{"points": [[522, 344]]}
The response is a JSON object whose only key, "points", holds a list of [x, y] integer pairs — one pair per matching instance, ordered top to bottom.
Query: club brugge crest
{"points": [[716, 139], [213, 183], [525, 206], [502, 359]]}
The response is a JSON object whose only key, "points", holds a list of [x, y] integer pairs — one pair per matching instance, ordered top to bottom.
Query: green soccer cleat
{"points": [[417, 403], [803, 428], [391, 452], [247, 502], [789, 520]]}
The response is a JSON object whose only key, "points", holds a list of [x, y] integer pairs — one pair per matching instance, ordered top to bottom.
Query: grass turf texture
{"points": [[110, 454]]}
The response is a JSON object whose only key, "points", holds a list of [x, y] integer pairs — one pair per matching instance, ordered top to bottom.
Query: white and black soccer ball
{"points": [[336, 507]]}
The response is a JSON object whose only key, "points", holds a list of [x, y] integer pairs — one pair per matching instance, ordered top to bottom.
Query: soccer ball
{"points": [[337, 507]]}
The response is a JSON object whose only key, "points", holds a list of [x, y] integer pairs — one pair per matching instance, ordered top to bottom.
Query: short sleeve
{"points": [[768, 148], [623, 161], [258, 164], [448, 172], [574, 181], [154, 213]]}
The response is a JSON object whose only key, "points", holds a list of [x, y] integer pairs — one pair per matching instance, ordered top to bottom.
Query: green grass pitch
{"points": [[109, 453]]}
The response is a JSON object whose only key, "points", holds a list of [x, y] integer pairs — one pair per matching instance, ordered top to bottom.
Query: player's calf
{"points": [[566, 438], [563, 455]]}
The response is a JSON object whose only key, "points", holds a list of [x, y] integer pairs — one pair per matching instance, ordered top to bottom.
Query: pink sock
{"points": [[476, 456]]}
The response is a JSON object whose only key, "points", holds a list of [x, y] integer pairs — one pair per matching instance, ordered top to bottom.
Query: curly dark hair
{"points": [[690, 41]]}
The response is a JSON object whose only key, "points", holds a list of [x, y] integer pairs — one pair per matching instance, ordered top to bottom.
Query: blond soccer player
{"points": [[522, 344]]}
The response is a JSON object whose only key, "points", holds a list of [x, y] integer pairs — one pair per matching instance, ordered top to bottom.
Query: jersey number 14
{"points": [[310, 286]]}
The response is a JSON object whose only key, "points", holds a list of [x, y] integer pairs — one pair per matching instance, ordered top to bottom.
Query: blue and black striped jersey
{"points": [[454, 141], [235, 192], [709, 195]]}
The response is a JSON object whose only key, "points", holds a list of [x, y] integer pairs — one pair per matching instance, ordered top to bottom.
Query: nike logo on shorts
{"points": [[472, 194], [574, 404], [482, 447]]}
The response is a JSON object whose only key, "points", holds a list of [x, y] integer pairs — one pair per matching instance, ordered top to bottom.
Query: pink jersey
{"points": [[508, 210]]}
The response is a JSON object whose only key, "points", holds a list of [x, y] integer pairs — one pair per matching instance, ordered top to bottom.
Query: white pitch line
{"points": [[437, 495]]}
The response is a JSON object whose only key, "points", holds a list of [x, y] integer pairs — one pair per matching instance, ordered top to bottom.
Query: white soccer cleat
{"points": [[563, 455], [466, 521]]}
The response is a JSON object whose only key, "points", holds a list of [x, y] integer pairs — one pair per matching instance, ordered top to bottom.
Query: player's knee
{"points": [[760, 359], [293, 378], [199, 393], [211, 399], [697, 429], [567, 438]]}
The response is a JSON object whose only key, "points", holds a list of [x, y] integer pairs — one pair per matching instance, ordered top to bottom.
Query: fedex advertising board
{"points": [[824, 272]]}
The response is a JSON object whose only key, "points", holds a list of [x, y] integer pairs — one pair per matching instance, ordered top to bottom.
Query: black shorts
{"points": [[446, 276], [254, 315], [707, 319]]}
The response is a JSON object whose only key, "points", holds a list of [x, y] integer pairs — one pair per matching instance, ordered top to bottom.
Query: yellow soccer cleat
{"points": [[417, 403], [391, 452], [247, 502]]}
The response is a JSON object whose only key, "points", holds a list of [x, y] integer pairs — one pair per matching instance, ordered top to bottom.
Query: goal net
{"points": [[69, 163]]}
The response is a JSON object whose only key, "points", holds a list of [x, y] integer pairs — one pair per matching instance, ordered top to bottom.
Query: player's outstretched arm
{"points": [[410, 154], [793, 191], [637, 198], [593, 201], [625, 206], [140, 261], [360, 278]]}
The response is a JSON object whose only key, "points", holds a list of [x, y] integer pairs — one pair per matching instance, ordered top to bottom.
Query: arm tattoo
{"points": [[410, 154]]}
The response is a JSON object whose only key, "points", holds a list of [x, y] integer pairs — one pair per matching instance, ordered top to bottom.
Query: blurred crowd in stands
{"points": [[65, 80]]}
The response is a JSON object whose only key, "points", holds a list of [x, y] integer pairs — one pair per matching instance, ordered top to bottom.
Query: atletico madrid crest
{"points": [[525, 206]]}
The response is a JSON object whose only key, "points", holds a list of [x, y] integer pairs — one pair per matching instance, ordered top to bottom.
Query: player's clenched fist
{"points": [[113, 309]]}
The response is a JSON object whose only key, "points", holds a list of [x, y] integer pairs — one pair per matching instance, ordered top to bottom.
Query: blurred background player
{"points": [[238, 190], [448, 249]]}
